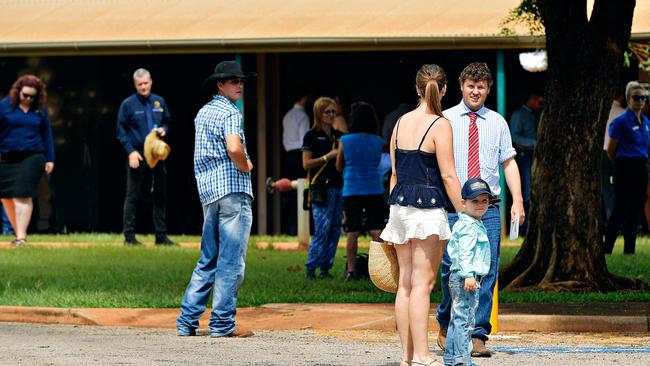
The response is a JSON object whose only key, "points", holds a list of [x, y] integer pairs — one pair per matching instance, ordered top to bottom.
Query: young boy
{"points": [[469, 250]]}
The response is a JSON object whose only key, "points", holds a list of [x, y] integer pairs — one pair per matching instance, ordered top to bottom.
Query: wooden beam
{"points": [[276, 135], [261, 164]]}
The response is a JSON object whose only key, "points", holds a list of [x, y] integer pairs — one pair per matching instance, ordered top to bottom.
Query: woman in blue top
{"points": [[628, 147], [26, 150], [422, 184], [363, 202]]}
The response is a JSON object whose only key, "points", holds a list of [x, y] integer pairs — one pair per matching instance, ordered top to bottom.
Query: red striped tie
{"points": [[473, 163]]}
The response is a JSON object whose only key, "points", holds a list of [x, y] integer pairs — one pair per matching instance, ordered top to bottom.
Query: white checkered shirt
{"points": [[495, 143], [217, 175]]}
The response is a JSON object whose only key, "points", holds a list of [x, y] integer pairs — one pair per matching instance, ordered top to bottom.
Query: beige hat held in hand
{"points": [[155, 149], [383, 267]]}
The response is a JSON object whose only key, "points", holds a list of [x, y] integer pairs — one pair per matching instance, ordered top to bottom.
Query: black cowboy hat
{"points": [[223, 71]]}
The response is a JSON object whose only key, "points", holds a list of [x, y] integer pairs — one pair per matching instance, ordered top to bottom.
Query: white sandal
{"points": [[434, 362]]}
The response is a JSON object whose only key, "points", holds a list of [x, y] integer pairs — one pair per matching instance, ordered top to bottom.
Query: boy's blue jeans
{"points": [[492, 222], [226, 229], [327, 232], [458, 348]]}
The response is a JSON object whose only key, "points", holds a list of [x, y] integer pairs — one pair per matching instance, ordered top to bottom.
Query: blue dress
{"points": [[419, 183]]}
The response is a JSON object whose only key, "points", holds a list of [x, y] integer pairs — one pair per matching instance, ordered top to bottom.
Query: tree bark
{"points": [[563, 246]]}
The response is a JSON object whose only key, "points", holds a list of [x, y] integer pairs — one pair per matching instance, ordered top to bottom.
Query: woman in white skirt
{"points": [[423, 185]]}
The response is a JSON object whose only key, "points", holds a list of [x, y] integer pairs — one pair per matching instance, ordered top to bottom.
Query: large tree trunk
{"points": [[563, 246]]}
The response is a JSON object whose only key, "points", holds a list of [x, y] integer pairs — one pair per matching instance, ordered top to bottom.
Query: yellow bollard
{"points": [[494, 316]]}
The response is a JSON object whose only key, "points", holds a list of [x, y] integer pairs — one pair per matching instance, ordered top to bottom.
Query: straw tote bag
{"points": [[383, 267]]}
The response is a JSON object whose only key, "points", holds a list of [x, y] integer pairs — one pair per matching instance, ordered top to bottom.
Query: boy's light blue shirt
{"points": [[469, 248]]}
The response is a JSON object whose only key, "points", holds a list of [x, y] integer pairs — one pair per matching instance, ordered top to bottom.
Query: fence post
{"points": [[303, 215]]}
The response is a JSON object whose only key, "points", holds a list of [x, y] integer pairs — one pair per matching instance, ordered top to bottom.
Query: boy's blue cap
{"points": [[475, 187]]}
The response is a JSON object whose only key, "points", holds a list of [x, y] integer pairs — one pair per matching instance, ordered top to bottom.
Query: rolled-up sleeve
{"points": [[506, 151]]}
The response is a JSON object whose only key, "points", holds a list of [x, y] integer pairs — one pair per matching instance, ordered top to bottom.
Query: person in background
{"points": [[139, 114], [341, 118], [391, 119], [295, 125], [523, 128], [629, 139], [26, 150], [319, 150], [607, 165], [423, 184], [363, 201], [646, 207], [6, 224]]}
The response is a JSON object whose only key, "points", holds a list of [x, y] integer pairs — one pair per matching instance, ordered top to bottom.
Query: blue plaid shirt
{"points": [[494, 143], [217, 175]]}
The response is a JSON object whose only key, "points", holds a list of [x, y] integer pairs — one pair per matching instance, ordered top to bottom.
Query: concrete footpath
{"points": [[587, 317]]}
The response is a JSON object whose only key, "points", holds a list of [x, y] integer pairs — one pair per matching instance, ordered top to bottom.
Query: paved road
{"points": [[37, 344]]}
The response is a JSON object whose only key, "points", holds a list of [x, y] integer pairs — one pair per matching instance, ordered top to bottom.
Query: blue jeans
{"points": [[492, 222], [6, 224], [226, 228], [327, 232], [458, 347]]}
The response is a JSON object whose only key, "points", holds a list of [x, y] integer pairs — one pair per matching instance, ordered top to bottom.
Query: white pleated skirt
{"points": [[407, 222]]}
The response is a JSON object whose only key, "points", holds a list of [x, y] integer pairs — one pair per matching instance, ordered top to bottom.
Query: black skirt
{"points": [[20, 172]]}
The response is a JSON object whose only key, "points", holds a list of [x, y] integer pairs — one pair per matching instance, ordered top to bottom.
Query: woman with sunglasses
{"points": [[628, 147], [26, 150], [319, 151]]}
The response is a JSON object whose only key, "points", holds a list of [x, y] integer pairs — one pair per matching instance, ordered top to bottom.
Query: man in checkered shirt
{"points": [[222, 170]]}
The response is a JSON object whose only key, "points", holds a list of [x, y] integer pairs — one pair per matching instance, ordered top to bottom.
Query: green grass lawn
{"points": [[117, 276]]}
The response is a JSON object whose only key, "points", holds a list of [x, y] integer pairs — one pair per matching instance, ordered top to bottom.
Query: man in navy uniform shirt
{"points": [[139, 114]]}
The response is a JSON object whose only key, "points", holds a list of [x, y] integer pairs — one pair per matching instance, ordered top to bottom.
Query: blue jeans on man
{"points": [[492, 222], [226, 229], [327, 232], [458, 347]]}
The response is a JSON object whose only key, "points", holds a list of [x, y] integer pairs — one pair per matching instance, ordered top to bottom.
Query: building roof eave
{"points": [[255, 45]]}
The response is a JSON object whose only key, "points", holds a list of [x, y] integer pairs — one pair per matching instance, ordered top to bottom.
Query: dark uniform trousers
{"points": [[145, 182]]}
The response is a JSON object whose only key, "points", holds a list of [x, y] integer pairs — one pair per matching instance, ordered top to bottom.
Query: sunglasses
{"points": [[236, 81], [28, 96], [640, 98], [329, 111]]}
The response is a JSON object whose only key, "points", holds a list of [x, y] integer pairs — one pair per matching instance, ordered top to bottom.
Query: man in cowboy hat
{"points": [[140, 114], [222, 170]]}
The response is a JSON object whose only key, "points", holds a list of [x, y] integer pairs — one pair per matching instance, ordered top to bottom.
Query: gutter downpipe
{"points": [[501, 109]]}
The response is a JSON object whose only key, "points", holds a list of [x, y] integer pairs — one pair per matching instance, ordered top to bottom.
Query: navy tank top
{"points": [[419, 183]]}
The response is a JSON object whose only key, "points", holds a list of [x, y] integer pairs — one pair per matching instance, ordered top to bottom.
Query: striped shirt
{"points": [[495, 143], [216, 174]]}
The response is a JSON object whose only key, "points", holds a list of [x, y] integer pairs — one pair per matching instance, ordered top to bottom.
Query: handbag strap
{"points": [[309, 182]]}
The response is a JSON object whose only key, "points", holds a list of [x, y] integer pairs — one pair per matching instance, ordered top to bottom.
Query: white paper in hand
{"points": [[514, 227]]}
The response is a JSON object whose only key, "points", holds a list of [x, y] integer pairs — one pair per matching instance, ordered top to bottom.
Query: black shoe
{"points": [[165, 241], [133, 242], [310, 275], [325, 275], [351, 276], [183, 333]]}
